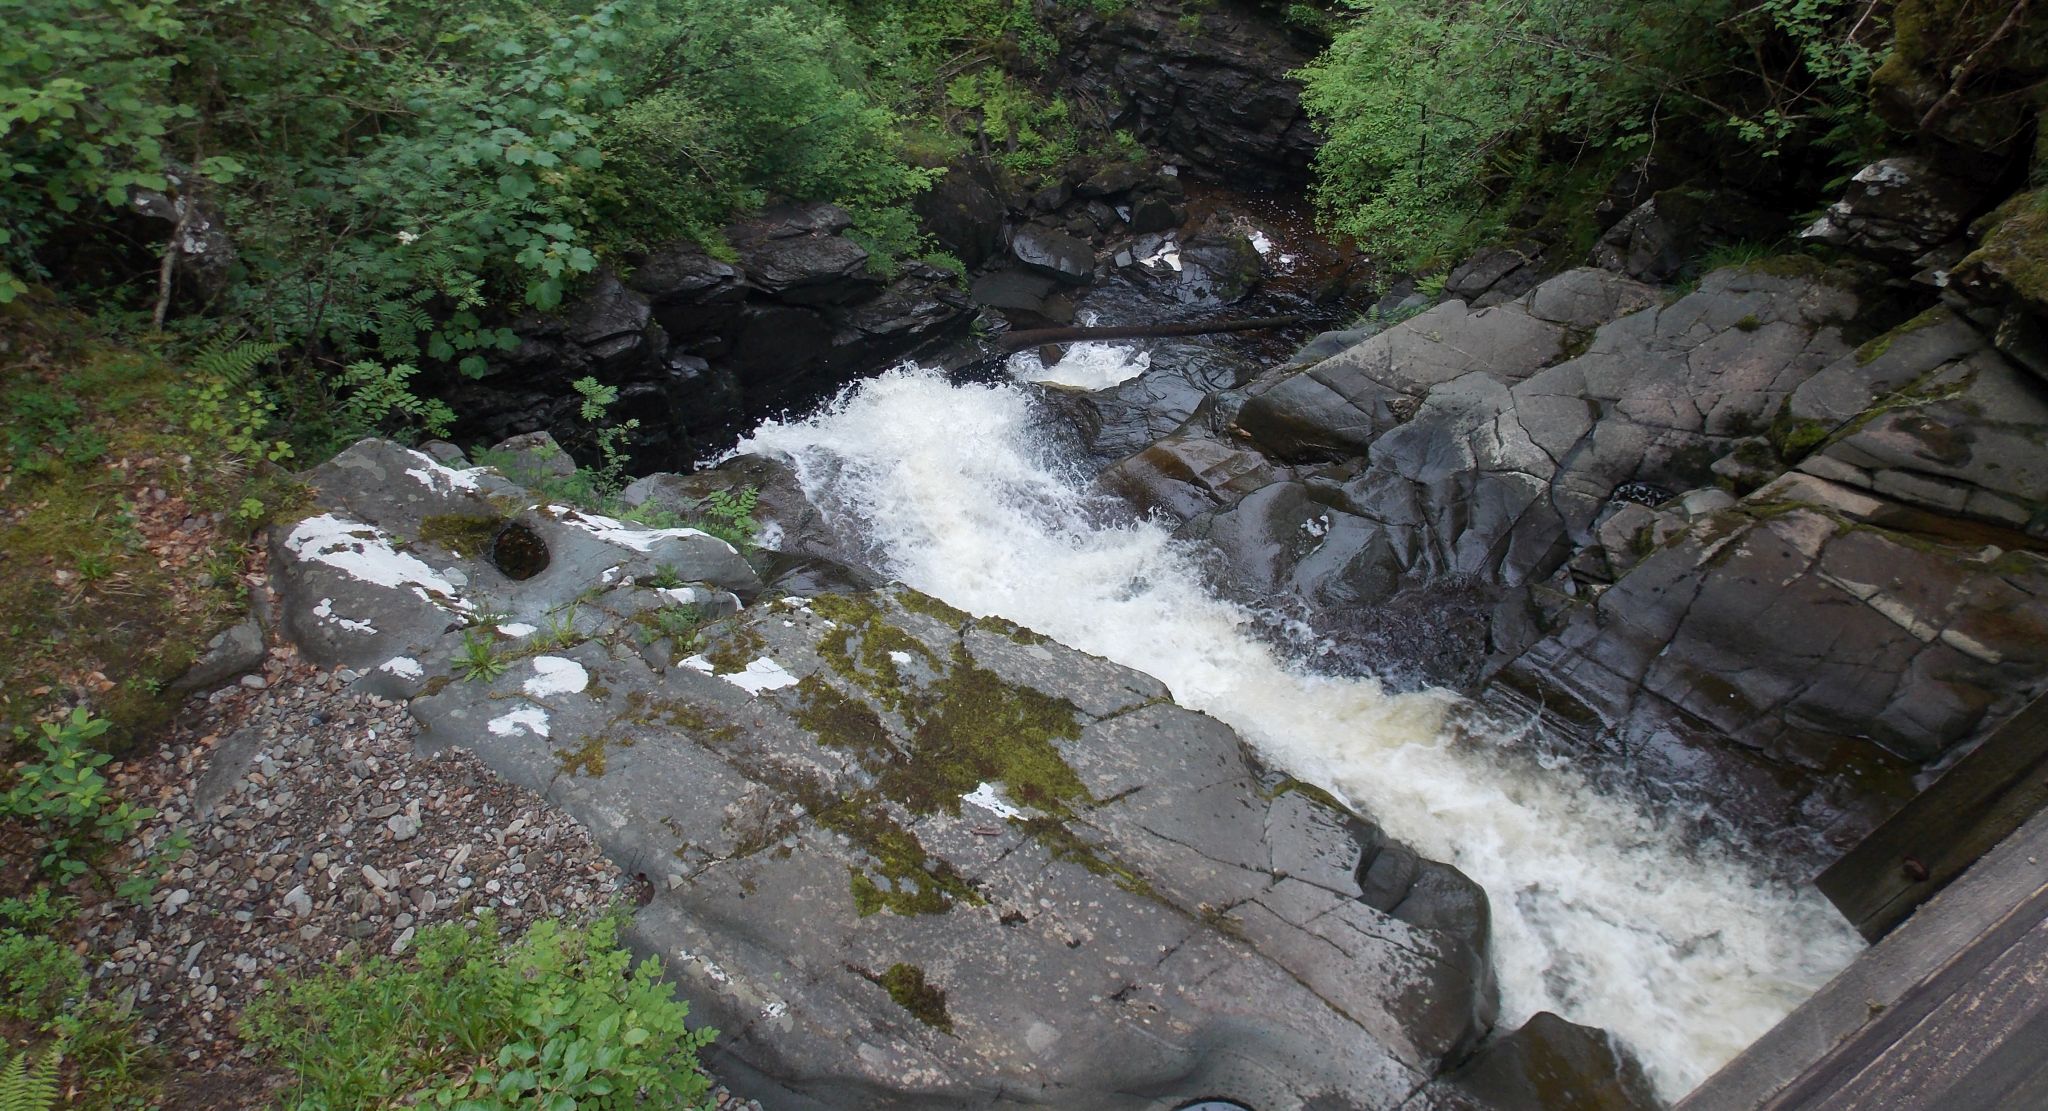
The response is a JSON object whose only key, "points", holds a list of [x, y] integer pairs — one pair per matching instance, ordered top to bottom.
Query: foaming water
{"points": [[1089, 365], [1598, 915]]}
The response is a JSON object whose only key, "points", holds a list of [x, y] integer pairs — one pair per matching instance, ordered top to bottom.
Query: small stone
{"points": [[254, 682], [403, 827], [298, 902]]}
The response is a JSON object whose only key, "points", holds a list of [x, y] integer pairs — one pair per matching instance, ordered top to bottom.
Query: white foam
{"points": [[1086, 366], [556, 675], [1597, 914]]}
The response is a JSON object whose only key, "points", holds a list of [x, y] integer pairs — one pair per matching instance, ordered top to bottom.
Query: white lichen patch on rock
{"points": [[441, 479], [611, 530], [364, 552], [680, 595], [325, 612], [517, 629], [405, 667], [763, 674], [556, 675], [526, 719], [985, 796]]}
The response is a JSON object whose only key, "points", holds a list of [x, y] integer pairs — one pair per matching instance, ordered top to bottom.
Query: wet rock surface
{"points": [[700, 346], [1740, 565], [899, 855]]}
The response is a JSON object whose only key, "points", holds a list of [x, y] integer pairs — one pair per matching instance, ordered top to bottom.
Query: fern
{"points": [[233, 363], [26, 1088]]}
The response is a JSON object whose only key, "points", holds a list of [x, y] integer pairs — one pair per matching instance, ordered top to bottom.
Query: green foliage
{"points": [[1436, 111], [82, 115], [1033, 134], [403, 176], [379, 398], [223, 402], [44, 430], [610, 476], [729, 515], [479, 658], [64, 797], [39, 972], [556, 1019], [26, 1087]]}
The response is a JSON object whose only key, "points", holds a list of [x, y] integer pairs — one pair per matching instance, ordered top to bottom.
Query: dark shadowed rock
{"points": [[1214, 87], [1897, 209], [964, 213], [1052, 252], [797, 254], [1218, 268], [1547, 1063]]}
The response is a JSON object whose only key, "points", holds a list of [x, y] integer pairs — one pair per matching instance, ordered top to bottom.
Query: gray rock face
{"points": [[1897, 209], [1047, 250], [204, 252], [1218, 268], [1338, 407], [1930, 416], [234, 651], [901, 856]]}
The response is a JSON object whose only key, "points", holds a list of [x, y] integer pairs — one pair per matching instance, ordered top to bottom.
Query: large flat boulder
{"points": [[898, 855]]}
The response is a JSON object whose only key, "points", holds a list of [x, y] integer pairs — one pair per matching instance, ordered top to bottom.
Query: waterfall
{"points": [[1687, 955]]}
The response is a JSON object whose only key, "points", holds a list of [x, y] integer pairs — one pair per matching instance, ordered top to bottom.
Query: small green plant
{"points": [[1734, 254], [1432, 286], [380, 397], [597, 402], [729, 515], [665, 577], [676, 623], [558, 630], [479, 658], [66, 799], [40, 973], [559, 1018], [29, 1087]]}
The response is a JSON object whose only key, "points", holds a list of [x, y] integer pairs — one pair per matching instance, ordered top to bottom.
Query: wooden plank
{"points": [[1932, 839], [1883, 980], [1965, 1037]]}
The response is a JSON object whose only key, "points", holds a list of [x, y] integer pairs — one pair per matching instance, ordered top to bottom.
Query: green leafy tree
{"points": [[1435, 110]]}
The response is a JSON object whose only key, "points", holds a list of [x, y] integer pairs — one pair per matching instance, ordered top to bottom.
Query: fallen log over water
{"points": [[1036, 337]]}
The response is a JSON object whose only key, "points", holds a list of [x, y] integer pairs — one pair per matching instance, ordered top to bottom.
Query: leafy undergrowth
{"points": [[125, 512], [558, 1018]]}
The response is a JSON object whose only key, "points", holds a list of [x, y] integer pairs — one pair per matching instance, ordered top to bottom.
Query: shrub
{"points": [[1436, 110], [65, 798], [558, 1018]]}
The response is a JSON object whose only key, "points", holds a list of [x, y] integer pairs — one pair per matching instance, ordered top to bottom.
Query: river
{"points": [[1686, 953]]}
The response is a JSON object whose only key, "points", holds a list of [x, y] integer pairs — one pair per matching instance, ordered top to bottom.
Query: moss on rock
{"points": [[912, 991]]}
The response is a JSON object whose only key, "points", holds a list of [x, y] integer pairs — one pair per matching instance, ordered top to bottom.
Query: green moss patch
{"points": [[465, 534], [109, 589], [899, 875], [907, 985]]}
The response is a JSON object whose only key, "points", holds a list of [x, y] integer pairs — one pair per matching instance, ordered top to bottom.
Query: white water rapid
{"points": [[1596, 914]]}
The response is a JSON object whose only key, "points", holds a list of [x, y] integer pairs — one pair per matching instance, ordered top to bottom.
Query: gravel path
{"points": [[313, 827]]}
